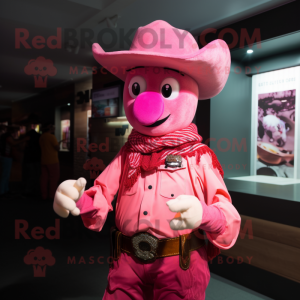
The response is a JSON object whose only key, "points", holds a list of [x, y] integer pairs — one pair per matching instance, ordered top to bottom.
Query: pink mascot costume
{"points": [[173, 211]]}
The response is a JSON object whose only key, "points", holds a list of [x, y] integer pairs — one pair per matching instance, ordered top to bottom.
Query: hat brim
{"points": [[209, 66]]}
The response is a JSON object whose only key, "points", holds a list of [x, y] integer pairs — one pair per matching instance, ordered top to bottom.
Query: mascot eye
{"points": [[36, 68], [44, 68], [137, 86], [170, 88], [166, 90]]}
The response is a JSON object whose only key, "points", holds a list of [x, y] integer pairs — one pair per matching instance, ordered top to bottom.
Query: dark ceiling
{"points": [[108, 19]]}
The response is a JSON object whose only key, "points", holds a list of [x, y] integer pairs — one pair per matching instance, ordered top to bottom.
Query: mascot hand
{"points": [[66, 196], [189, 212]]}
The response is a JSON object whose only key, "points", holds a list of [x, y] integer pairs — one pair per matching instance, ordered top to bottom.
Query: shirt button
{"points": [[150, 187], [172, 195], [145, 213]]}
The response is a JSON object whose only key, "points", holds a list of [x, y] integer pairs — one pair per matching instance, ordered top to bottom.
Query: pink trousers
{"points": [[160, 280]]}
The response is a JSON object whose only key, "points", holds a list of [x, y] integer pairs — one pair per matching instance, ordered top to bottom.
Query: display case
{"points": [[107, 102], [254, 121], [274, 126]]}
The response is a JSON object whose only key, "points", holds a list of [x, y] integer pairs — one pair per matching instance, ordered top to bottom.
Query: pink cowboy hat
{"points": [[159, 44]]}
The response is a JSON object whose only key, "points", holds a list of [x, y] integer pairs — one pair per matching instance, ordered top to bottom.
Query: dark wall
{"points": [[271, 24], [101, 80], [43, 104], [5, 115], [203, 120], [230, 123]]}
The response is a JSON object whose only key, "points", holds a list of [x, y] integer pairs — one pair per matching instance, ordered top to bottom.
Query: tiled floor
{"points": [[223, 289]]}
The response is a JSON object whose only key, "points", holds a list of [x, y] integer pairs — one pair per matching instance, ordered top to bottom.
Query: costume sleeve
{"points": [[95, 202], [221, 221]]}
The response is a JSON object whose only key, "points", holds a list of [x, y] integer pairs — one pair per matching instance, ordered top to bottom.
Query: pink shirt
{"points": [[144, 208]]}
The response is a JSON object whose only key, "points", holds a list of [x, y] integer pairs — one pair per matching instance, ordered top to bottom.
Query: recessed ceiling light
{"points": [[249, 51], [69, 104]]}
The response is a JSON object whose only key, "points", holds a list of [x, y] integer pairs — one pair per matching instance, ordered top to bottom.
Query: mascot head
{"points": [[165, 75]]}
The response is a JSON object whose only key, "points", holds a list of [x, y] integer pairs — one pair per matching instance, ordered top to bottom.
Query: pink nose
{"points": [[148, 107]]}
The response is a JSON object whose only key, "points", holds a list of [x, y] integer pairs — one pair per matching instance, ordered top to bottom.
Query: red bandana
{"points": [[185, 142]]}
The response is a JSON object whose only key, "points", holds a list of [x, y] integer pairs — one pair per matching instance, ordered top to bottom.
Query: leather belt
{"points": [[148, 248]]}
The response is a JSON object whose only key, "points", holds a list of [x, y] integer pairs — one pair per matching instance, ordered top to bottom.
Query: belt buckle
{"points": [[145, 246]]}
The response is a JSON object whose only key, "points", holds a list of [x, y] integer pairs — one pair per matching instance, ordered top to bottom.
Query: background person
{"points": [[2, 129], [8, 141], [32, 158], [49, 162]]}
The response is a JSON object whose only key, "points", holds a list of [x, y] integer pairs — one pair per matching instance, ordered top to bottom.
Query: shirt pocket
{"points": [[172, 182]]}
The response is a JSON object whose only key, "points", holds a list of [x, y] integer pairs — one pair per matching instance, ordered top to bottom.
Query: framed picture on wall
{"points": [[106, 102], [275, 118], [65, 135]]}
